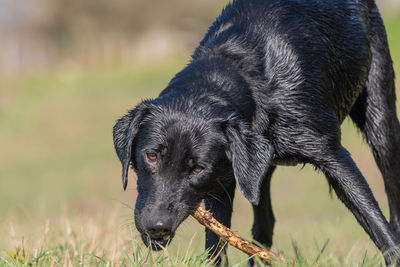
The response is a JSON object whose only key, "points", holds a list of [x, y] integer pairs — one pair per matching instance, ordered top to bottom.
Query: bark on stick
{"points": [[206, 218]]}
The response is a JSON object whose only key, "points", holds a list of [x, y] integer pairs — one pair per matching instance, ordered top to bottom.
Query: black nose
{"points": [[159, 227]]}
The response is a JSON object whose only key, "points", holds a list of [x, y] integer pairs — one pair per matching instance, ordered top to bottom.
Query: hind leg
{"points": [[375, 114]]}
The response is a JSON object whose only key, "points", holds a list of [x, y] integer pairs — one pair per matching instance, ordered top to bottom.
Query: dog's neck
{"points": [[216, 77]]}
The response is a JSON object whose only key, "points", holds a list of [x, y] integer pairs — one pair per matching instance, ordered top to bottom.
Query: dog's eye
{"points": [[152, 157], [197, 170]]}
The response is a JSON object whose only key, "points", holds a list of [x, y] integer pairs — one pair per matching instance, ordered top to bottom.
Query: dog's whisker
{"points": [[226, 192], [214, 197], [126, 205]]}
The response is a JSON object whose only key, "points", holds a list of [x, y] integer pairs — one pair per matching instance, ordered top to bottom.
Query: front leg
{"points": [[352, 189], [221, 207], [264, 220]]}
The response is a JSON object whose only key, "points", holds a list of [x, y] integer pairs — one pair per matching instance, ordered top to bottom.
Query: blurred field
{"points": [[60, 182]]}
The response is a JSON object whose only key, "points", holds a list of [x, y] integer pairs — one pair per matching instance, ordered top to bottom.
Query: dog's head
{"points": [[180, 155]]}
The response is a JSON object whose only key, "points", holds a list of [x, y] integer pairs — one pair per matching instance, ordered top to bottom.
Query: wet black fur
{"points": [[269, 85]]}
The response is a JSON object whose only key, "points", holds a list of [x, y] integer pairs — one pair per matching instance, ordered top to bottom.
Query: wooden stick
{"points": [[206, 218]]}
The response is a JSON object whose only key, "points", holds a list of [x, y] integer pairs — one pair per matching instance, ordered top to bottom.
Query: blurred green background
{"points": [[69, 69]]}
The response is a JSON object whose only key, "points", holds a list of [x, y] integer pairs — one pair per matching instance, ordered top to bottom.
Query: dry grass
{"points": [[105, 239], [100, 240]]}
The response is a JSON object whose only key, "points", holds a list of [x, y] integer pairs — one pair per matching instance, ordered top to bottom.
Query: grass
{"points": [[62, 202], [101, 241], [93, 244]]}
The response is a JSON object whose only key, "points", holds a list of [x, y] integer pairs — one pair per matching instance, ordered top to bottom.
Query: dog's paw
{"points": [[392, 257]]}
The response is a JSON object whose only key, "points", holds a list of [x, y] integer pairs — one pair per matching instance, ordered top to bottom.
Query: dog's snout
{"points": [[159, 227]]}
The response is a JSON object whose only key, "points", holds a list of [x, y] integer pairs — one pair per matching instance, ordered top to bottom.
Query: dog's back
{"points": [[290, 43]]}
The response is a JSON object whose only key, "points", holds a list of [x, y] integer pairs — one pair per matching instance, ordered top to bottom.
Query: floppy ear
{"points": [[124, 133], [250, 154]]}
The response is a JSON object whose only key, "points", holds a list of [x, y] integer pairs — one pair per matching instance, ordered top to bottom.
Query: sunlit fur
{"points": [[270, 84]]}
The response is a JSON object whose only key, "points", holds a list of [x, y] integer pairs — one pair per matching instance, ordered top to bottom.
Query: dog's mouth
{"points": [[157, 242]]}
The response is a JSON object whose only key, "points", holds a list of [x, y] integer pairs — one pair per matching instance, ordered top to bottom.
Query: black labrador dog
{"points": [[270, 84]]}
